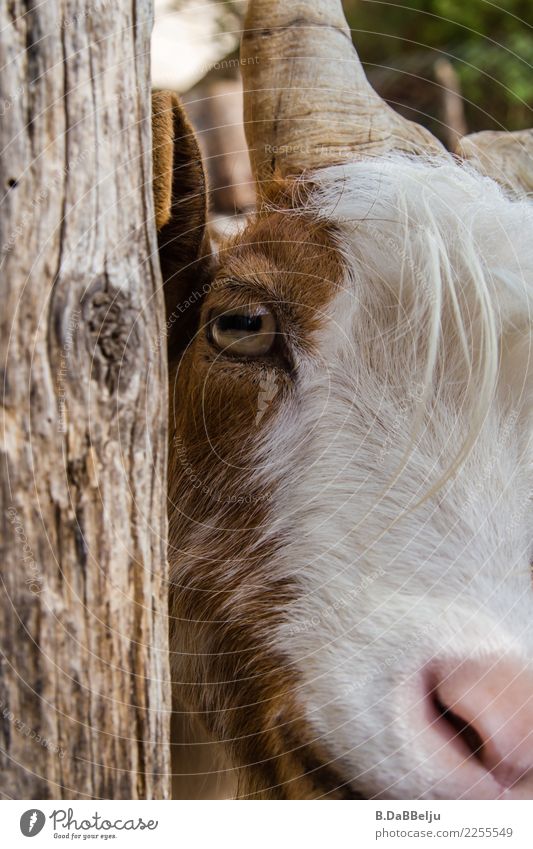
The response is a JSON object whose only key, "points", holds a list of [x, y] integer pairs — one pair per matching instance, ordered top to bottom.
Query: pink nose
{"points": [[484, 716]]}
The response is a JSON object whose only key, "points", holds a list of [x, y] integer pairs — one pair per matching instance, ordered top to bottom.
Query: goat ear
{"points": [[506, 157], [180, 200]]}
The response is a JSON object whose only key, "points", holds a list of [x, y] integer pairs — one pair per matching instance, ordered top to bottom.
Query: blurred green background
{"points": [[489, 44], [456, 66]]}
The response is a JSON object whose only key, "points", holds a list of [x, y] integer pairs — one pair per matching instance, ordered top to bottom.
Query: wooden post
{"points": [[452, 109], [84, 681]]}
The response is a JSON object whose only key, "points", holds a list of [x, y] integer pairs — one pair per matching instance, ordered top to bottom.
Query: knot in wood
{"points": [[113, 336]]}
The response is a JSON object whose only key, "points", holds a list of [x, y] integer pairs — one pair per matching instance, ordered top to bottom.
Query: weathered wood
{"points": [[84, 684]]}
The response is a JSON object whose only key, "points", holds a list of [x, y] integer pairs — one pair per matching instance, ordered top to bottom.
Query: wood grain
{"points": [[84, 681]]}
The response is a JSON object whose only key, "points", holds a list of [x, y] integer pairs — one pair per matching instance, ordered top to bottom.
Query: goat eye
{"points": [[244, 331]]}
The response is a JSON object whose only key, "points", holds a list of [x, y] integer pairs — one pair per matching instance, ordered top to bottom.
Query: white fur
{"points": [[407, 459]]}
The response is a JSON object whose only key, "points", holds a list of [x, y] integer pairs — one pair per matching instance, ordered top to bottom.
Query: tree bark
{"points": [[84, 683]]}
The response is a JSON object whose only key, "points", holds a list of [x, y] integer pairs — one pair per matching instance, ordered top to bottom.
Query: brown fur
{"points": [[162, 154], [180, 199], [225, 601]]}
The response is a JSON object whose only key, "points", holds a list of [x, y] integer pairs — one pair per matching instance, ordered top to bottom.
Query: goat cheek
{"points": [[227, 415]]}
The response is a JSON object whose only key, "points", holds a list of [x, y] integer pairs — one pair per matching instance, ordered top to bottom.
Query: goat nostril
{"points": [[479, 726], [463, 733]]}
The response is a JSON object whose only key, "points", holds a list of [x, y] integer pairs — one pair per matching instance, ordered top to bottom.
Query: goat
{"points": [[350, 460]]}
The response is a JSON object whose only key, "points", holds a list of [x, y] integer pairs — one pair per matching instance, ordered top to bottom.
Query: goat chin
{"points": [[399, 468]]}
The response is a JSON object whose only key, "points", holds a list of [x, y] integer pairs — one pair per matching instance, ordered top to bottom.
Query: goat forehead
{"points": [[402, 221], [404, 226], [293, 244], [395, 259], [437, 287], [369, 390]]}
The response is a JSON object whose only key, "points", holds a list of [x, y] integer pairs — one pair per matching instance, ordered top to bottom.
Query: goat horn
{"points": [[307, 102], [506, 157]]}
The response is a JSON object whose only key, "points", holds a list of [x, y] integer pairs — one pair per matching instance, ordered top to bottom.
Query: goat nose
{"points": [[489, 707]]}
